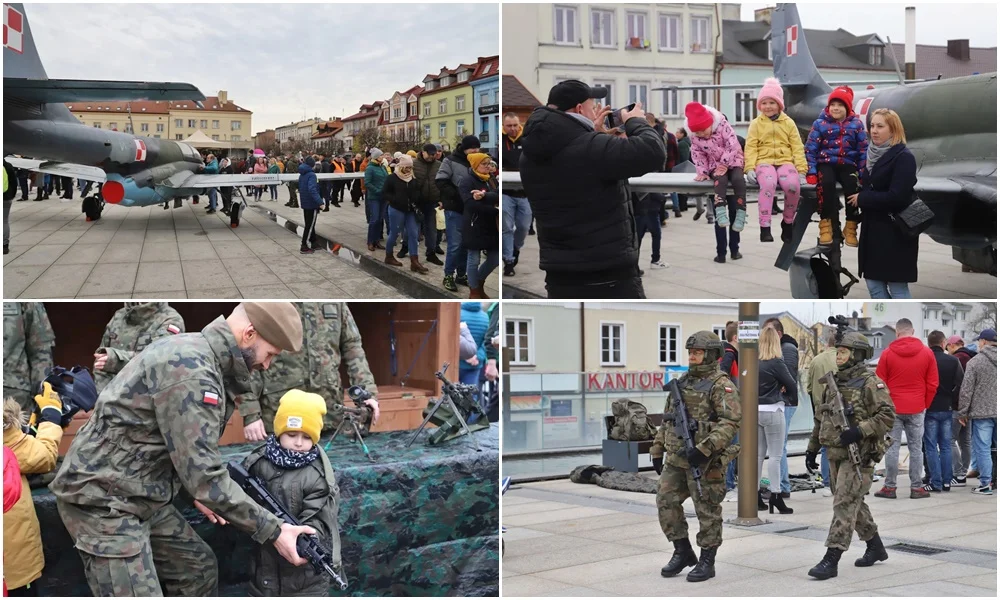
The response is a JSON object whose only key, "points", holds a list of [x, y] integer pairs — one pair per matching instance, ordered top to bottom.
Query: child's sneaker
{"points": [[722, 215], [740, 221], [825, 232], [658, 264], [449, 283], [983, 490]]}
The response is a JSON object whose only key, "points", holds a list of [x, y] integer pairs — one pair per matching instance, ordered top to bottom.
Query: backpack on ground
{"points": [[631, 422]]}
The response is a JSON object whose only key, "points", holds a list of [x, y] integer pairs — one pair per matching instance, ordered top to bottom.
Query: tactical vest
{"points": [[853, 392], [698, 399], [631, 422]]}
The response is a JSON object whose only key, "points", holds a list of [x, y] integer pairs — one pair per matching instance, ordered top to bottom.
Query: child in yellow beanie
{"points": [[298, 473]]}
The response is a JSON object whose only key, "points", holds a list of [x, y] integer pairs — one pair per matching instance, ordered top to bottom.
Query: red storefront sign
{"points": [[625, 381]]}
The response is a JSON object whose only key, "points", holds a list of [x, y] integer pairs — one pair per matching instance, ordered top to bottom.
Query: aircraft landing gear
{"points": [[93, 207]]}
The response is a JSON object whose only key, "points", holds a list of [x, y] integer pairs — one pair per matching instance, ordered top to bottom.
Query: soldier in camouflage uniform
{"points": [[129, 332], [330, 337], [27, 351], [713, 403], [871, 413], [155, 429]]}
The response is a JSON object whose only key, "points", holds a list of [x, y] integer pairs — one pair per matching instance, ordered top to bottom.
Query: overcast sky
{"points": [[936, 23], [278, 60], [812, 312]]}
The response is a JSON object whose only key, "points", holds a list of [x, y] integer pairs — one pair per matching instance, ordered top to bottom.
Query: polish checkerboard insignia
{"points": [[13, 29]]}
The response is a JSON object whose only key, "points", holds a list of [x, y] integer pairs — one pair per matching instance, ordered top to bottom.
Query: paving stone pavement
{"points": [[688, 246], [176, 253], [568, 539]]}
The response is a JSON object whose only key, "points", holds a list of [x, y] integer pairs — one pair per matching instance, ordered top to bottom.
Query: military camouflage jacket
{"points": [[130, 331], [330, 337], [27, 349], [868, 397], [712, 401], [156, 429], [310, 494]]}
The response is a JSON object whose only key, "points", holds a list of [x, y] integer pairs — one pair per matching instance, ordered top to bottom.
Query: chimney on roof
{"points": [[763, 15], [910, 43], [958, 49], [223, 97]]}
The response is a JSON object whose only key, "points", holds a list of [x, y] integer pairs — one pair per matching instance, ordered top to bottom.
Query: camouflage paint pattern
{"points": [[130, 330], [330, 337], [27, 350], [676, 486], [850, 511], [421, 521]]}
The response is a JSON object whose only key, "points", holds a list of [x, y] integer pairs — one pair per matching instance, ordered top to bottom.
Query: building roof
{"points": [[746, 43], [934, 60], [488, 66], [446, 72], [515, 95], [210, 104], [329, 129], [786, 315]]}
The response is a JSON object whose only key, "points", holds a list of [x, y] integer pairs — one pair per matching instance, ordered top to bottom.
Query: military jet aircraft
{"points": [[135, 171]]}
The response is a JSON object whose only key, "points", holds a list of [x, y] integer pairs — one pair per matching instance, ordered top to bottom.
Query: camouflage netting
{"points": [[607, 477], [421, 521]]}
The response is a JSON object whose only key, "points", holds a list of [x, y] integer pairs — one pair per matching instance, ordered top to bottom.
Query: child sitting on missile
{"points": [[835, 152], [716, 154], [774, 157], [298, 474]]}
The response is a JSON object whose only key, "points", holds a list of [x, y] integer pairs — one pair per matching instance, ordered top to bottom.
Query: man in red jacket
{"points": [[908, 367]]}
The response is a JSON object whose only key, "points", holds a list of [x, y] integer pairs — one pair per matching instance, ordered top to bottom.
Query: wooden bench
{"points": [[624, 456]]}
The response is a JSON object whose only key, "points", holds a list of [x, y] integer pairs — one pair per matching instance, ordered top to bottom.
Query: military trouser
{"points": [[24, 398], [269, 408], [676, 485], [850, 512], [125, 556]]}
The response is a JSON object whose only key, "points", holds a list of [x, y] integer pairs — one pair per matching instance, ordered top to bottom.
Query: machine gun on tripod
{"points": [[461, 401], [358, 416]]}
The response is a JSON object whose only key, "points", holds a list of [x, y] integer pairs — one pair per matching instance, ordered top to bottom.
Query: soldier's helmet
{"points": [[707, 341], [861, 350]]}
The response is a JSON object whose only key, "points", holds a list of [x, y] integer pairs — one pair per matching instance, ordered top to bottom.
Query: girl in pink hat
{"points": [[775, 157]]}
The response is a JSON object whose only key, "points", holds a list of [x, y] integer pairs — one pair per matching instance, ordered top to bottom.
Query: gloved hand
{"points": [[751, 177], [803, 179], [812, 179], [49, 404], [850, 436], [696, 458], [811, 463], [658, 465]]}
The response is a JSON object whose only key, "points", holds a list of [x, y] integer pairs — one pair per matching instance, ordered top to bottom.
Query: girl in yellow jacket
{"points": [[774, 156], [23, 560]]}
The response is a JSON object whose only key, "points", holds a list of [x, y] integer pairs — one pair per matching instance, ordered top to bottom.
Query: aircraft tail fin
{"points": [[20, 58], [793, 63]]}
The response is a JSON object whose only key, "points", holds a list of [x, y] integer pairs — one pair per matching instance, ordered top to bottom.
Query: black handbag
{"points": [[914, 219]]}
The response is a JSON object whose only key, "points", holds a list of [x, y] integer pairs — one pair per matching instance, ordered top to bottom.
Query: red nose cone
{"points": [[113, 192]]}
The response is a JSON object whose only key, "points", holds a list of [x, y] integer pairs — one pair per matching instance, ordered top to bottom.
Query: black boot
{"points": [[786, 231], [765, 234], [403, 251], [433, 259], [508, 269], [776, 501], [761, 505], [873, 553], [683, 557], [827, 567], [705, 569]]}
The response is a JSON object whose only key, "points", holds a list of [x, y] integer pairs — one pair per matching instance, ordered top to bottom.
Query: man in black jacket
{"points": [[454, 168], [425, 170], [574, 175], [516, 209], [790, 356], [938, 418]]}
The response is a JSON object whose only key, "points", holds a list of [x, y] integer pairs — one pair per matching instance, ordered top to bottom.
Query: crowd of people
{"points": [[593, 252]]}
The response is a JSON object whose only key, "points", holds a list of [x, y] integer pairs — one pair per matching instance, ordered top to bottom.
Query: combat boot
{"points": [[825, 232], [851, 233], [873, 553], [683, 557], [827, 567], [705, 569]]}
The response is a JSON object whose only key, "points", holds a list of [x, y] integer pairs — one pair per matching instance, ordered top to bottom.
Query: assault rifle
{"points": [[459, 399], [358, 416], [840, 418], [684, 426], [308, 546]]}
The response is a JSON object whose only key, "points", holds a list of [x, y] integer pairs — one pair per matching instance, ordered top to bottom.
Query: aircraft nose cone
{"points": [[113, 192]]}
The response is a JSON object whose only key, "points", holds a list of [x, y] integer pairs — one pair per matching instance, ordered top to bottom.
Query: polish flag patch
{"points": [[13, 29], [792, 40], [140, 151], [173, 329], [729, 390], [211, 398]]}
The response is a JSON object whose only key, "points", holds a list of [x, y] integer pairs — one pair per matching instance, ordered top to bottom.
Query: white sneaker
{"points": [[658, 265], [827, 493], [732, 496]]}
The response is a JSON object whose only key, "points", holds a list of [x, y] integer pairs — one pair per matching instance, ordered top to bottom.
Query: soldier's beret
{"points": [[277, 322]]}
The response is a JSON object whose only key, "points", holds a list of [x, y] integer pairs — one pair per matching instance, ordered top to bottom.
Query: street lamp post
{"points": [[749, 333]]}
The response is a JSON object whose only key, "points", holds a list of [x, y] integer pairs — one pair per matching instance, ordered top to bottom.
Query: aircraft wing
{"points": [[44, 91], [62, 169], [212, 181], [980, 190]]}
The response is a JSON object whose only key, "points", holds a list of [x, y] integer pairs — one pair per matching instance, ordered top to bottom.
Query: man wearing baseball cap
{"points": [[574, 175], [977, 404], [157, 423]]}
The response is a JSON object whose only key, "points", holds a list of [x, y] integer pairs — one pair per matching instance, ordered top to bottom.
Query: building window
{"points": [[565, 25], [637, 27], [602, 28], [670, 32], [701, 33], [875, 55], [463, 76], [445, 81], [429, 86], [637, 93], [700, 96], [484, 98], [608, 100], [671, 101], [460, 103], [442, 106], [746, 107], [427, 109], [413, 110], [397, 113], [178, 122], [191, 123], [97, 124], [203, 124], [215, 124], [484, 124], [235, 125], [113, 126], [144, 127], [460, 127], [159, 128], [443, 130], [427, 132], [157, 136], [178, 136], [215, 137], [235, 138], [944, 322], [720, 330], [519, 338], [877, 342], [612, 343], [670, 344]]}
